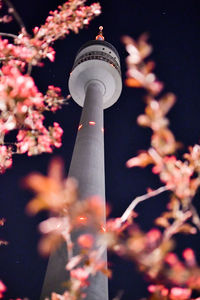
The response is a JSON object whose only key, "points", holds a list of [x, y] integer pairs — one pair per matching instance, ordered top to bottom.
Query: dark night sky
{"points": [[174, 28]]}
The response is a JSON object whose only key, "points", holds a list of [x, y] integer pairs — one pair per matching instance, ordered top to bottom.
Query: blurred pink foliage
{"points": [[22, 106], [173, 278]]}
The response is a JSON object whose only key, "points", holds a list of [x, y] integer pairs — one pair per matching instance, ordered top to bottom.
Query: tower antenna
{"points": [[100, 35]]}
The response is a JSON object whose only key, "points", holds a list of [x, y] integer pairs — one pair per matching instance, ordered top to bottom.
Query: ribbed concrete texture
{"points": [[87, 166]]}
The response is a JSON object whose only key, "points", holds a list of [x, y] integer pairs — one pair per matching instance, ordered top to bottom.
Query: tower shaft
{"points": [[95, 84], [87, 164], [87, 167]]}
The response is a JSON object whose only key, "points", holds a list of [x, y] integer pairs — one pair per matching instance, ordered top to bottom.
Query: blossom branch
{"points": [[15, 14], [139, 199], [173, 229]]}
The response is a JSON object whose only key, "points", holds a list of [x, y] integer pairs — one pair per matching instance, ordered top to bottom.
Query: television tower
{"points": [[95, 84]]}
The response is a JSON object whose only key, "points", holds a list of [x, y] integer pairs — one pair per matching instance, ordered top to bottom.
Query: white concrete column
{"points": [[87, 166]]}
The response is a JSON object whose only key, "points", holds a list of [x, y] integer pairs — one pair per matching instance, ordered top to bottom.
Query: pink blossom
{"points": [[71, 16], [51, 54], [19, 85], [53, 98], [21, 104], [56, 132], [26, 142], [44, 143], [5, 158], [142, 160], [176, 174], [114, 224], [153, 237], [85, 241], [188, 255], [171, 259], [81, 275], [152, 288], [158, 288], [2, 289], [164, 291], [178, 293]]}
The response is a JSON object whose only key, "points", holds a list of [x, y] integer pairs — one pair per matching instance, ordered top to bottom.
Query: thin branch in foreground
{"points": [[12, 10], [14, 36], [29, 69], [139, 199], [195, 216], [173, 229], [119, 295]]}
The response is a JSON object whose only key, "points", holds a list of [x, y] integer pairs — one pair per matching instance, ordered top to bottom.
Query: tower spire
{"points": [[100, 35]]}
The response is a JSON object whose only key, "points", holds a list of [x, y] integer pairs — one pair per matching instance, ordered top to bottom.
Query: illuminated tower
{"points": [[95, 84]]}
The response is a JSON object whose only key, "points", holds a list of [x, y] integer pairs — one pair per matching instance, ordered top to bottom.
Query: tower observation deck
{"points": [[95, 84]]}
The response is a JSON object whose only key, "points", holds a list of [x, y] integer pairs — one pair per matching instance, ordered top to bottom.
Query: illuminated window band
{"points": [[99, 55]]}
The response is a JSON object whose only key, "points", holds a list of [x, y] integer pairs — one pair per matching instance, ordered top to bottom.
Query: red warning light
{"points": [[92, 123], [80, 126], [82, 219]]}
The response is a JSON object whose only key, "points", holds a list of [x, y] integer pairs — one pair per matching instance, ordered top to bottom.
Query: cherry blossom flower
{"points": [[139, 73], [53, 98], [21, 106], [194, 157], [5, 158], [141, 160], [176, 174], [85, 241], [188, 255], [81, 275], [2, 289], [178, 293]]}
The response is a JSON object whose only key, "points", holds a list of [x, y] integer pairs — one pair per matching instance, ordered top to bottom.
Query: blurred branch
{"points": [[12, 10], [14, 36], [139, 199], [195, 216], [173, 229], [119, 295]]}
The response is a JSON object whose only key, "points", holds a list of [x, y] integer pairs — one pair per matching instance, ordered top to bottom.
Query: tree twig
{"points": [[12, 10], [14, 36], [29, 69], [139, 199], [195, 216], [173, 229], [69, 247], [119, 295]]}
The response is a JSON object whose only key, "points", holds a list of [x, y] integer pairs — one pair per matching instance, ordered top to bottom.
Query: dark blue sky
{"points": [[174, 28]]}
